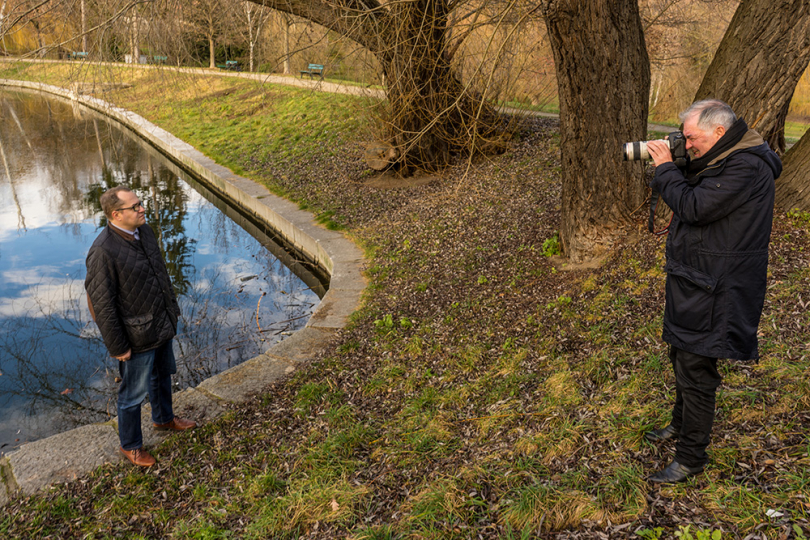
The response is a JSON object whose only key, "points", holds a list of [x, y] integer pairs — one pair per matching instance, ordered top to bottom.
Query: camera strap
{"points": [[654, 198]]}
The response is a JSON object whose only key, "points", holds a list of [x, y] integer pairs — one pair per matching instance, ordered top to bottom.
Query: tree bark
{"points": [[761, 58], [603, 79], [432, 115], [793, 187]]}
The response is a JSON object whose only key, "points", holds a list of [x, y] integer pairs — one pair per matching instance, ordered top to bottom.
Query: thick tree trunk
{"points": [[763, 54], [212, 62], [603, 78], [431, 115], [793, 187]]}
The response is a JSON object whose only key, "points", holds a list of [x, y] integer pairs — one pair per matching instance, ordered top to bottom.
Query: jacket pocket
{"points": [[690, 297], [141, 331]]}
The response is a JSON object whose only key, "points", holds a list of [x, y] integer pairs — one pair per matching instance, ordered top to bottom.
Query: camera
{"points": [[635, 151]]}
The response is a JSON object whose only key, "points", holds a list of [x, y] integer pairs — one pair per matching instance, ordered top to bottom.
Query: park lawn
{"points": [[482, 389]]}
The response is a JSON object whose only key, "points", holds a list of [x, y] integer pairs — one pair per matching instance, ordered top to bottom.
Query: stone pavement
{"points": [[74, 453]]}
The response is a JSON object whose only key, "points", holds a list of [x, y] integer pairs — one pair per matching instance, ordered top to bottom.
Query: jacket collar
{"points": [[119, 232]]}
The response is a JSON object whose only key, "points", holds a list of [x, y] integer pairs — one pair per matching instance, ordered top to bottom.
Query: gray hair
{"points": [[711, 113]]}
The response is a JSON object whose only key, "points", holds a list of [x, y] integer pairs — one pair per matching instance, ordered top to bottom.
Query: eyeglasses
{"points": [[135, 207]]}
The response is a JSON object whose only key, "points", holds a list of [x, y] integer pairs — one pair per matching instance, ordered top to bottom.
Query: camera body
{"points": [[634, 151]]}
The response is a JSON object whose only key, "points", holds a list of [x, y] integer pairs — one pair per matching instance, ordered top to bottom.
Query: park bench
{"points": [[81, 55], [160, 59], [230, 65], [313, 69]]}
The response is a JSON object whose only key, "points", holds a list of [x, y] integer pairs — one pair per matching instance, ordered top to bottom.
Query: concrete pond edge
{"points": [[74, 453]]}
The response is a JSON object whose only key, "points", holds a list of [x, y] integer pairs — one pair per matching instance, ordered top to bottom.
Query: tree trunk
{"points": [[286, 23], [84, 25], [134, 47], [764, 52], [212, 62], [603, 79], [431, 114], [793, 187]]}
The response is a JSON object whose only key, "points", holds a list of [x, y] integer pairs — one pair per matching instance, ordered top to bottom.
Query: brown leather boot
{"points": [[177, 424], [139, 457]]}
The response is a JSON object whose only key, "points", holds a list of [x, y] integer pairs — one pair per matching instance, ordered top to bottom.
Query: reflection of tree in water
{"points": [[52, 364]]}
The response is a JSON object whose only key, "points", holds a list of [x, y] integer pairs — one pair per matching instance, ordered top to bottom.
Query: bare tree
{"points": [[210, 18], [253, 20], [432, 114]]}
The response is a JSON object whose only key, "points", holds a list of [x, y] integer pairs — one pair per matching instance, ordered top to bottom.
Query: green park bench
{"points": [[79, 55], [160, 59], [230, 65], [313, 69]]}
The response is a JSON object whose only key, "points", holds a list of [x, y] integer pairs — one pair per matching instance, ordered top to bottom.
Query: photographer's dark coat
{"points": [[717, 250], [129, 291]]}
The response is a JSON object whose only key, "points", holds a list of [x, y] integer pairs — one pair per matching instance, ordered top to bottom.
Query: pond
{"points": [[235, 286]]}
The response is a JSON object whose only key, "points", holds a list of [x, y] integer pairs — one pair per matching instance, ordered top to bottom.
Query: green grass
{"points": [[794, 131]]}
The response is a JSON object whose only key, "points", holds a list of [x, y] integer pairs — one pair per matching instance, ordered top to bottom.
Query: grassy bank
{"points": [[481, 390]]}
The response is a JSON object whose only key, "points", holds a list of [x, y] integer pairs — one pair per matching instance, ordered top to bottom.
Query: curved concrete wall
{"points": [[41, 463]]}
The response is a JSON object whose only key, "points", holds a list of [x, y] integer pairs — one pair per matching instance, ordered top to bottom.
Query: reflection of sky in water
{"points": [[54, 370]]}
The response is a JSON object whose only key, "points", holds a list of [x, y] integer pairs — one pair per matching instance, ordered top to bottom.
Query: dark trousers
{"points": [[145, 373], [696, 382]]}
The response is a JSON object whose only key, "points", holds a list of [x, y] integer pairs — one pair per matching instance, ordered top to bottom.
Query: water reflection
{"points": [[237, 297]]}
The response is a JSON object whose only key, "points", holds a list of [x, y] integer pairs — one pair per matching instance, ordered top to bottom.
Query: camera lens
{"points": [[635, 151]]}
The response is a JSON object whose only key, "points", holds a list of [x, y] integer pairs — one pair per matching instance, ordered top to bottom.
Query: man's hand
{"points": [[659, 152], [124, 357]]}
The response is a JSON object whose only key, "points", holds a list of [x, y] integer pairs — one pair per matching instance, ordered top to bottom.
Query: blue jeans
{"points": [[147, 372]]}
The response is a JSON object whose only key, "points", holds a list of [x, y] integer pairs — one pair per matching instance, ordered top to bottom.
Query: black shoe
{"points": [[663, 434], [674, 473]]}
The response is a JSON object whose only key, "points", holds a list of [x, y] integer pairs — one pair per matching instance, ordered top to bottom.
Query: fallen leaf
{"points": [[66, 391], [335, 506]]}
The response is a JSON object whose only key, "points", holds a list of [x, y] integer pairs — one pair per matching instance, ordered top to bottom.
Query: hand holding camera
{"points": [[670, 149]]}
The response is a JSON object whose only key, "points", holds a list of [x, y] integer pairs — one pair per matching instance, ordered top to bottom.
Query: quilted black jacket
{"points": [[717, 249], [129, 292]]}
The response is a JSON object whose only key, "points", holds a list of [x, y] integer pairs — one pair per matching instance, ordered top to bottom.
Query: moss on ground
{"points": [[480, 390]]}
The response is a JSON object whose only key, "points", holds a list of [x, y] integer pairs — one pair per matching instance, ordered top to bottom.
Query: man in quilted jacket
{"points": [[717, 263], [131, 299]]}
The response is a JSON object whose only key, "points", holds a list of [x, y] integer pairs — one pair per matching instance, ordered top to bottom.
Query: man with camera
{"points": [[717, 260]]}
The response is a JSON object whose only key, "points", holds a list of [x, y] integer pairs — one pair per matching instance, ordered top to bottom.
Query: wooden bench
{"points": [[81, 55], [160, 59], [312, 69]]}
